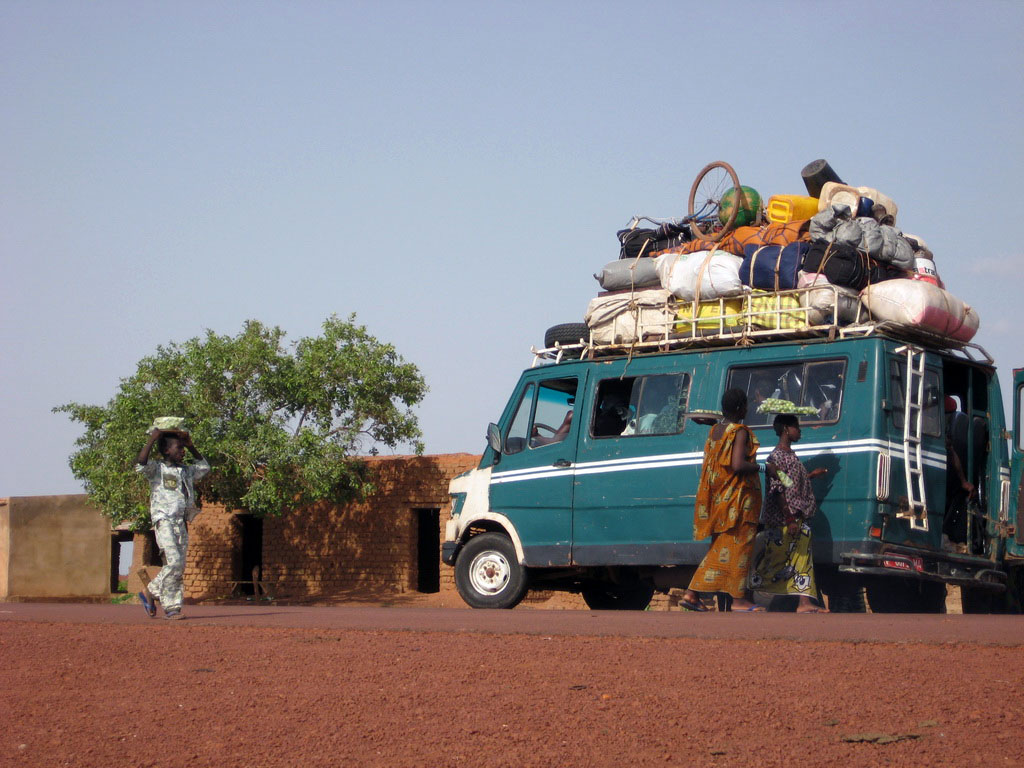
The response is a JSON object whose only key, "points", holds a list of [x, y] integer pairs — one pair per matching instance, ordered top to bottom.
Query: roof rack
{"points": [[744, 321]]}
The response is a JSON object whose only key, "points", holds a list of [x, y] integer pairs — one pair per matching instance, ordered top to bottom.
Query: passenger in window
{"points": [[762, 387], [824, 390], [660, 412], [612, 416], [727, 508], [784, 566]]}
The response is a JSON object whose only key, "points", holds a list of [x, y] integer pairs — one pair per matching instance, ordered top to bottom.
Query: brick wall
{"points": [[329, 550]]}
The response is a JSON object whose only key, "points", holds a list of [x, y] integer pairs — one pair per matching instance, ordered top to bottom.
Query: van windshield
{"points": [[817, 384]]}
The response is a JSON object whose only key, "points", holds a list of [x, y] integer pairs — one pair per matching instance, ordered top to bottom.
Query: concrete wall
{"points": [[52, 547]]}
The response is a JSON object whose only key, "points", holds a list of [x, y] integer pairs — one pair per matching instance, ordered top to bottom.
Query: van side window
{"points": [[816, 384], [641, 405], [543, 416], [552, 418], [931, 421], [515, 441]]}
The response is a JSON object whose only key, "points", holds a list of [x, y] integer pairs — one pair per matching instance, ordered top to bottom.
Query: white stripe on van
{"points": [[931, 459]]}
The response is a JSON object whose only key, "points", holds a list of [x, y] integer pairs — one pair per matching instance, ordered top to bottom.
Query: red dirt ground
{"points": [[276, 686]]}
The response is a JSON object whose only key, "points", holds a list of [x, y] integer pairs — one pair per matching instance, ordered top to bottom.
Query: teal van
{"points": [[589, 477]]}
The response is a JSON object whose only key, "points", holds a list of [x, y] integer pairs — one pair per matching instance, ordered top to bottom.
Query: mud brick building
{"points": [[388, 544]]}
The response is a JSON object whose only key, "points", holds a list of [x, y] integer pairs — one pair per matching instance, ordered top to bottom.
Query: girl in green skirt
{"points": [[785, 567]]}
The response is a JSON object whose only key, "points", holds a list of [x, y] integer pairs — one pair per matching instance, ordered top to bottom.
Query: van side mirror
{"points": [[494, 439]]}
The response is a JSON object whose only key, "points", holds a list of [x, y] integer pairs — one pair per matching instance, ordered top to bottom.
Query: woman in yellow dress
{"points": [[727, 508], [785, 566]]}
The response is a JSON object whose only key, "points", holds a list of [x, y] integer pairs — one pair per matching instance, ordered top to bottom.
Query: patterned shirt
{"points": [[171, 487], [800, 496]]}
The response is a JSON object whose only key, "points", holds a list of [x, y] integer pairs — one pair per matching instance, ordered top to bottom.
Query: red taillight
{"points": [[875, 533]]}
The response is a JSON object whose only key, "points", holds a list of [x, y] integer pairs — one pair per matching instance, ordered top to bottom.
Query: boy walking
{"points": [[172, 505]]}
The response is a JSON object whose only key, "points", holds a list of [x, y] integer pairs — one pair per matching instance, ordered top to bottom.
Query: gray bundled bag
{"points": [[823, 226], [881, 242], [896, 248], [622, 274]]}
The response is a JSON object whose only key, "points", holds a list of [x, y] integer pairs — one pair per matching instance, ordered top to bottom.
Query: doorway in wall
{"points": [[428, 549], [121, 551], [250, 552]]}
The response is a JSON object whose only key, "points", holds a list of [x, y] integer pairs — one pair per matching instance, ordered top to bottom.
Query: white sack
{"points": [[717, 271], [822, 297], [918, 304], [627, 317]]}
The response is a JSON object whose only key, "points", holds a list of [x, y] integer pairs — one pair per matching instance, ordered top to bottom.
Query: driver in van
{"points": [[536, 439]]}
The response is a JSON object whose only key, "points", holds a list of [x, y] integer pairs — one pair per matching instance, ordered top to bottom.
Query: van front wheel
{"points": [[488, 573]]}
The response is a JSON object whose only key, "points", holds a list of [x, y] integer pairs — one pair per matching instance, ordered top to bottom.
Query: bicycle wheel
{"points": [[714, 180]]}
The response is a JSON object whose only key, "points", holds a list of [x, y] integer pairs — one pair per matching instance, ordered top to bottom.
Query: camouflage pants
{"points": [[167, 587]]}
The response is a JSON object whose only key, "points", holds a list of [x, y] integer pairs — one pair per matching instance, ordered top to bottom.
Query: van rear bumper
{"points": [[948, 568]]}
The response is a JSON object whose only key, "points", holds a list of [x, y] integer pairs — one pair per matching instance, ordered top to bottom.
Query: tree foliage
{"points": [[280, 425]]}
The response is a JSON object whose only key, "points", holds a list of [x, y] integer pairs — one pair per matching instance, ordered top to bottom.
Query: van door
{"points": [[638, 467], [917, 476], [532, 483], [1015, 545]]}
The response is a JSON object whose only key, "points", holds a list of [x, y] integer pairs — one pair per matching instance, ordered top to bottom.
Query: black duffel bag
{"points": [[644, 242], [841, 264]]}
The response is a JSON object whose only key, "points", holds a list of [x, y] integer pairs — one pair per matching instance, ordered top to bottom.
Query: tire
{"points": [[696, 228], [566, 333], [488, 573], [845, 591], [900, 595], [606, 596], [981, 601]]}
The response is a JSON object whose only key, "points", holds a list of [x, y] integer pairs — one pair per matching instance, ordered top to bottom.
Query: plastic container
{"points": [[816, 174], [839, 194], [878, 199], [783, 209], [924, 269]]}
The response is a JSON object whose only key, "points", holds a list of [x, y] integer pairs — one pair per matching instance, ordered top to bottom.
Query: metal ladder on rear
{"points": [[913, 427]]}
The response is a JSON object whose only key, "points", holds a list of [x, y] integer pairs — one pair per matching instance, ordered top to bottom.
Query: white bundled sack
{"points": [[717, 273], [822, 299], [918, 304], [627, 317]]}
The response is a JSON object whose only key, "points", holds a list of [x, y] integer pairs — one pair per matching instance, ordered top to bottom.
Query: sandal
{"points": [[148, 604], [692, 605], [751, 609]]}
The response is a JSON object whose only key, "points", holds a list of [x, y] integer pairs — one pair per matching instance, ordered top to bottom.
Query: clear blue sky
{"points": [[452, 172]]}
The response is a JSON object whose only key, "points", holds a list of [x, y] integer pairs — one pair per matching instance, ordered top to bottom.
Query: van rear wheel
{"points": [[488, 573], [845, 591], [900, 595], [607, 596]]}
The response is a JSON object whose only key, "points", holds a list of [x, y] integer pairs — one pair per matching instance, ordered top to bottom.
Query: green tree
{"points": [[280, 425]]}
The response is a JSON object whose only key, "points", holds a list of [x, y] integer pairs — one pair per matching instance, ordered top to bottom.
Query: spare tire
{"points": [[566, 333]]}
